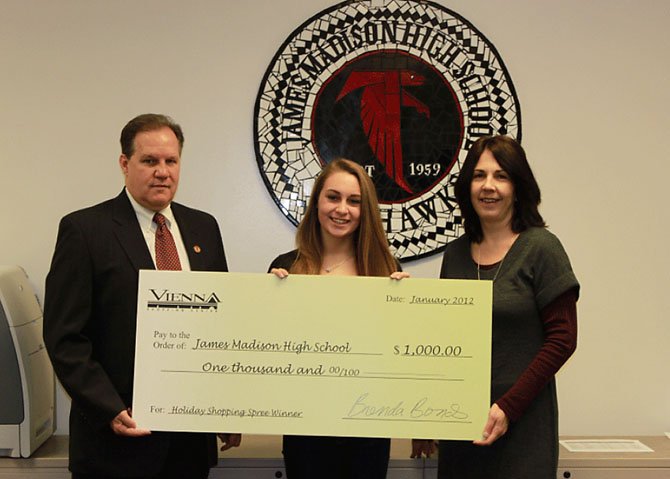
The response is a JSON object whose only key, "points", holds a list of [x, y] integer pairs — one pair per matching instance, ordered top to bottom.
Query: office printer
{"points": [[26, 376]]}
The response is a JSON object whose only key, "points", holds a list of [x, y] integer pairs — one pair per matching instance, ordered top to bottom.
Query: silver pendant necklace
{"points": [[479, 257], [330, 269]]}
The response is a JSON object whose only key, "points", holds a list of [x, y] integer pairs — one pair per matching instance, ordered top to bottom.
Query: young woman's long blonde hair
{"points": [[373, 257]]}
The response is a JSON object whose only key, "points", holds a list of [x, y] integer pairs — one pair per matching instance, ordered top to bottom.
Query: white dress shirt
{"points": [[146, 219]]}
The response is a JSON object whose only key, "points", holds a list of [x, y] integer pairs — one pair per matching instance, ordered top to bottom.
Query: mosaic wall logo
{"points": [[401, 87]]}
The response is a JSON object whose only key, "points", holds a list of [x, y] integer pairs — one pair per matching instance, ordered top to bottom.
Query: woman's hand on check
{"points": [[279, 272], [496, 426]]}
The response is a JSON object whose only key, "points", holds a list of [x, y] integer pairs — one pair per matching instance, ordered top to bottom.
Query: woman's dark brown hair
{"points": [[511, 158]]}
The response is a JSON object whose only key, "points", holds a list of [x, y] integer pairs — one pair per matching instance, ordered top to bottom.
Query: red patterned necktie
{"points": [[166, 251]]}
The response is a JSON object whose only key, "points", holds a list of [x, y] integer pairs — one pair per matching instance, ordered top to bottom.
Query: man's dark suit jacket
{"points": [[90, 312]]}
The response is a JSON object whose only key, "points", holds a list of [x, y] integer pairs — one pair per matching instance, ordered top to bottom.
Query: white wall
{"points": [[592, 78]]}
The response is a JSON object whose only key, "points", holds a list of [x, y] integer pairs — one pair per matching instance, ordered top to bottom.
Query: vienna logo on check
{"points": [[166, 300]]}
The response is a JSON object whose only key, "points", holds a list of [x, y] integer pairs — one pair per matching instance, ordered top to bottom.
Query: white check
{"points": [[313, 355]]}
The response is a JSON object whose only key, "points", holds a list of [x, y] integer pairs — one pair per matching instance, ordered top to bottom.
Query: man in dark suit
{"points": [[91, 305]]}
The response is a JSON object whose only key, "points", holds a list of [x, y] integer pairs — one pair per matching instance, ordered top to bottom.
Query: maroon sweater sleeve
{"points": [[560, 341]]}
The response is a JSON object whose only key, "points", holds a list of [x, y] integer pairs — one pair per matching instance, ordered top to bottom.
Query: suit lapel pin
{"points": [[197, 249]]}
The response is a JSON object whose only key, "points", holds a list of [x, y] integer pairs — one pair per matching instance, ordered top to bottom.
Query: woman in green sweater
{"points": [[534, 314]]}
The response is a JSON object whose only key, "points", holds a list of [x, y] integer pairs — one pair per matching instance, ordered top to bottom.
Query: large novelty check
{"points": [[312, 355]]}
